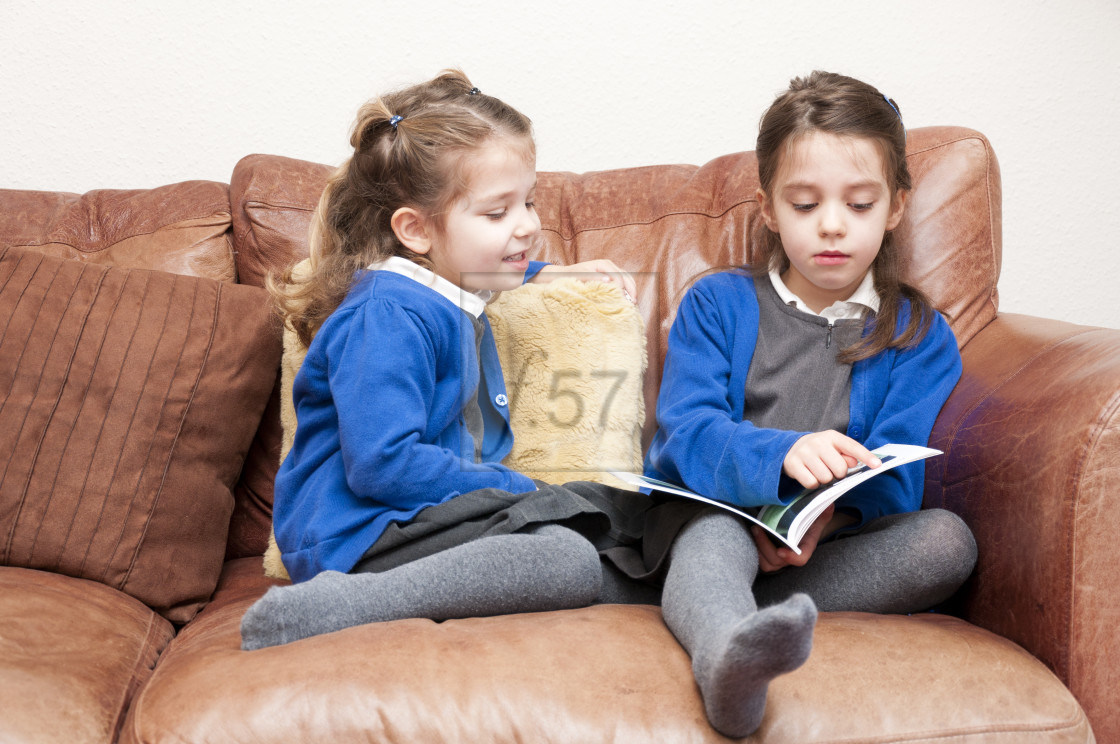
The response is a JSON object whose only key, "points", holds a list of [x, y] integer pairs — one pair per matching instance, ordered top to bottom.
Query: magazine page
{"points": [[793, 520], [789, 522]]}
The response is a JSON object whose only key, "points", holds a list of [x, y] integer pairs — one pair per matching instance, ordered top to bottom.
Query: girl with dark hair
{"points": [[784, 375]]}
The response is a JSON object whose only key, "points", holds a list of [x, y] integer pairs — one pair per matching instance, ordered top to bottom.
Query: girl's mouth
{"points": [[516, 258], [830, 258]]}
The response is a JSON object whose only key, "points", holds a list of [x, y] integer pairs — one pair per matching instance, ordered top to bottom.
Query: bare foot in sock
{"points": [[734, 672]]}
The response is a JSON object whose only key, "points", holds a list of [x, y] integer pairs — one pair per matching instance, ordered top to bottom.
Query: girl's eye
{"points": [[530, 205], [804, 207], [862, 207], [495, 216]]}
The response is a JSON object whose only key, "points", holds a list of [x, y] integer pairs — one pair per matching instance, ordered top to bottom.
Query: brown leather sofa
{"points": [[139, 437]]}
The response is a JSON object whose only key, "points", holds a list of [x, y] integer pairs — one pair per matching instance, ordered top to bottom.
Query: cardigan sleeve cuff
{"points": [[534, 269]]}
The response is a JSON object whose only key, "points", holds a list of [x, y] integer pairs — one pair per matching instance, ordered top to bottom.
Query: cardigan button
{"points": [[501, 399]]}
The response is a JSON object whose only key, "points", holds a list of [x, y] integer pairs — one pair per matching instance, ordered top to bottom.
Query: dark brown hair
{"points": [[845, 107], [411, 148]]}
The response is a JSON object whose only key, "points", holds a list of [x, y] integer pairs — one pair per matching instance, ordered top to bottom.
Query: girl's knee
{"points": [[717, 524], [948, 531], [715, 532], [945, 549], [573, 555]]}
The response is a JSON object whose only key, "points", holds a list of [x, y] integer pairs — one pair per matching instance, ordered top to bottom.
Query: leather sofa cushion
{"points": [[128, 399], [73, 653], [608, 673]]}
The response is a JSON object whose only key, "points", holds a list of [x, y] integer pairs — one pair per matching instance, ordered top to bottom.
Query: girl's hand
{"points": [[601, 269], [824, 456], [772, 558]]}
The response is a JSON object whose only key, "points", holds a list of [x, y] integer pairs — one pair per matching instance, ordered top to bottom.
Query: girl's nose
{"points": [[832, 221], [529, 224]]}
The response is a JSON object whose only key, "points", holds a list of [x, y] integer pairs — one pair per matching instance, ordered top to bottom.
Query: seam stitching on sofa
{"points": [[989, 159], [259, 204], [716, 215], [643, 223], [130, 236], [216, 308], [116, 384], [62, 388], [23, 498], [135, 685], [1077, 721]]}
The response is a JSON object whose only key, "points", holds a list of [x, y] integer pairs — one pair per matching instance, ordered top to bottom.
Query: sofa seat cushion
{"points": [[128, 399], [72, 653], [609, 673]]}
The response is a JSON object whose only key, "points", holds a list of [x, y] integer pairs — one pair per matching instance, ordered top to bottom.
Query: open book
{"points": [[789, 523]]}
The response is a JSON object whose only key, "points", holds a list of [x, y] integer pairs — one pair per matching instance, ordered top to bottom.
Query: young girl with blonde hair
{"points": [[401, 405]]}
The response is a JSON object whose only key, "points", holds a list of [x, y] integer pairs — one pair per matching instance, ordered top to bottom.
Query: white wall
{"points": [[117, 94]]}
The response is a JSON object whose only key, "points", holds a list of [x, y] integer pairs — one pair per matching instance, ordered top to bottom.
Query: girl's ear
{"points": [[898, 207], [767, 208], [412, 230]]}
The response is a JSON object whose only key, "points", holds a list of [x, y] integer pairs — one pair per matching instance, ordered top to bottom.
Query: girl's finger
{"points": [[862, 454], [823, 471], [801, 473], [767, 553]]}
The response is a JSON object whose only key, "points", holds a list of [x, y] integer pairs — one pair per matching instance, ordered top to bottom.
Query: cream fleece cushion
{"points": [[573, 354]]}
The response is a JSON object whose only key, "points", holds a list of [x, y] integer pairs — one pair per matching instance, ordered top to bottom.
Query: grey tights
{"points": [[895, 564], [548, 568], [735, 648]]}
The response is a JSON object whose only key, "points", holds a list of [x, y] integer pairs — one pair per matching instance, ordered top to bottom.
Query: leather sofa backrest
{"points": [[665, 223], [668, 223], [183, 228]]}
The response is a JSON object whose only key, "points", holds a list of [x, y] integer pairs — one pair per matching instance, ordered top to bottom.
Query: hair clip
{"points": [[474, 92], [893, 107], [898, 114], [395, 121]]}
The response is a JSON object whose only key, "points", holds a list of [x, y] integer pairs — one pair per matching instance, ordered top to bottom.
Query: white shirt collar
{"points": [[865, 296], [470, 302]]}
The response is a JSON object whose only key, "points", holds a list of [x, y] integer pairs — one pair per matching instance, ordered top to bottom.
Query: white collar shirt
{"points": [[864, 298], [471, 302]]}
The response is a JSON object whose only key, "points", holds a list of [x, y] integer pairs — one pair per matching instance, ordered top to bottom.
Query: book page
{"points": [[789, 522]]}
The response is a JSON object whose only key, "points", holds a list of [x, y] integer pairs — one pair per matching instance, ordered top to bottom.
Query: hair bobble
{"points": [[474, 92], [395, 121]]}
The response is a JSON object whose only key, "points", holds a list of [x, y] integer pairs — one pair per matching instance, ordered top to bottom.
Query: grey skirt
{"points": [[632, 530]]}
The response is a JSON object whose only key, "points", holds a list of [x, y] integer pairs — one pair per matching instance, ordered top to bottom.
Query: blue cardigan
{"points": [[381, 433], [703, 442]]}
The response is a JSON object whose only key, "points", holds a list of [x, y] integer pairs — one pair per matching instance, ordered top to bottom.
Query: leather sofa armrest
{"points": [[1031, 437]]}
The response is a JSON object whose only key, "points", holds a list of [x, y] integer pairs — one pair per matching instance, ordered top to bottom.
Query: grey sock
{"points": [[898, 563], [547, 569], [708, 604], [734, 671]]}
